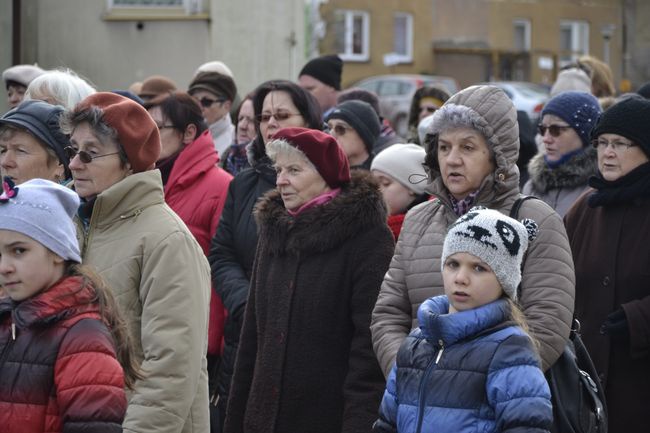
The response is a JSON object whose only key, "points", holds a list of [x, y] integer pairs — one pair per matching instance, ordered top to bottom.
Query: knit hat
{"points": [[326, 69], [21, 74], [574, 79], [216, 83], [156, 85], [644, 90], [579, 110], [360, 116], [629, 118], [42, 121], [136, 130], [322, 150], [404, 163], [42, 210], [496, 239]]}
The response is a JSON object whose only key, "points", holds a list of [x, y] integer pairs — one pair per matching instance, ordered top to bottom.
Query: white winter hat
{"points": [[403, 162]]}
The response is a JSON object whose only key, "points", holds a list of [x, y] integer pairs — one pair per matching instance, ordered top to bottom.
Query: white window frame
{"points": [[188, 7], [525, 23], [579, 39], [348, 55], [408, 57]]}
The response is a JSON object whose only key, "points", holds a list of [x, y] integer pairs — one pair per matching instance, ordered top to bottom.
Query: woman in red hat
{"points": [[305, 360]]}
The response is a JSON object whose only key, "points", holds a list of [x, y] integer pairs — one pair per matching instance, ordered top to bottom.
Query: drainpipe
{"points": [[15, 33]]}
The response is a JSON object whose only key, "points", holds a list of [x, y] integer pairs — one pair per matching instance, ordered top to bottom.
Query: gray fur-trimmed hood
{"points": [[573, 173]]}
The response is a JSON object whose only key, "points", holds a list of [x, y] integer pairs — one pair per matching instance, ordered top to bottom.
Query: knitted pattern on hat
{"points": [[579, 110], [629, 118], [404, 163], [42, 210], [496, 239]]}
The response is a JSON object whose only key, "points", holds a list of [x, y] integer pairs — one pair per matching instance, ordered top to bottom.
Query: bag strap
{"points": [[514, 210]]}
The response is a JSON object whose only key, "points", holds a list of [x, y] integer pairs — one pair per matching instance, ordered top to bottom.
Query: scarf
{"points": [[564, 158], [237, 159], [166, 165], [634, 186], [316, 201], [461, 207]]}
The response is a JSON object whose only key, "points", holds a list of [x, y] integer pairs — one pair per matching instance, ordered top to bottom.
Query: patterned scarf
{"points": [[236, 160], [462, 207]]}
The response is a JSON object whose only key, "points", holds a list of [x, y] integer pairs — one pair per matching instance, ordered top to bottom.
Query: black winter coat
{"points": [[231, 259], [305, 362]]}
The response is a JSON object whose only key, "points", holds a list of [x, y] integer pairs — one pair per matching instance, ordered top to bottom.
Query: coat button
{"points": [[605, 281]]}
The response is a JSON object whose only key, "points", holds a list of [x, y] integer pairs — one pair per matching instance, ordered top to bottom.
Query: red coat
{"points": [[196, 190], [60, 372]]}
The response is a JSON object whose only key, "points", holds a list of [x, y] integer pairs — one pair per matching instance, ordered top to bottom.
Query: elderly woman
{"points": [[59, 87], [276, 104], [235, 158], [472, 161], [560, 174], [609, 231], [155, 267], [305, 362]]}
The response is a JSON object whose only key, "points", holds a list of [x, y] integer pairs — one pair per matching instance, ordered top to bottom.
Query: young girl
{"points": [[470, 367], [59, 368]]}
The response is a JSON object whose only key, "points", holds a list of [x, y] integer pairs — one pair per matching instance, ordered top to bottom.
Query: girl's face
{"points": [[397, 196], [26, 266], [469, 282]]}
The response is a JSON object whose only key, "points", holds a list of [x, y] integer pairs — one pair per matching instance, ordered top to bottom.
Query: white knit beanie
{"points": [[403, 162], [42, 210], [496, 239]]}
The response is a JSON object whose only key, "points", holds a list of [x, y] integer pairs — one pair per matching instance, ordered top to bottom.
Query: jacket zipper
{"points": [[8, 346], [421, 392]]}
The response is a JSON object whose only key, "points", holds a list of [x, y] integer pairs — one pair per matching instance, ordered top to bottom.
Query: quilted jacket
{"points": [[548, 279], [58, 370], [471, 371]]}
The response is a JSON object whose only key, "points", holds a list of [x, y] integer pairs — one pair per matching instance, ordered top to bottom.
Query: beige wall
{"points": [[5, 47]]}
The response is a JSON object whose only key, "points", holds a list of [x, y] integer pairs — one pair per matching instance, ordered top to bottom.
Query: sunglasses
{"points": [[207, 102], [278, 116], [339, 130], [554, 130], [84, 156]]}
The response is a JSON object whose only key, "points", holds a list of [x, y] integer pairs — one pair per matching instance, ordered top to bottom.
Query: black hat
{"points": [[326, 69], [215, 83], [644, 90], [360, 116], [629, 118], [42, 121]]}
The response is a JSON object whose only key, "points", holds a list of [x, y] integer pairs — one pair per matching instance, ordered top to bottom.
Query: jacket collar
{"points": [[194, 160], [573, 173], [356, 208], [66, 298], [437, 325]]}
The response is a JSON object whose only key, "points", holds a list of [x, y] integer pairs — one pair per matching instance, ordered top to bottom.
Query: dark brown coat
{"points": [[611, 250], [305, 361]]}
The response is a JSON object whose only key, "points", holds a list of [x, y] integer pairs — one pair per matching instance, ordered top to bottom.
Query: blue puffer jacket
{"points": [[471, 371]]}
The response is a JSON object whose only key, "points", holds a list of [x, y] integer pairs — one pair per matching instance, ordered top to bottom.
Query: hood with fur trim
{"points": [[573, 173], [357, 207]]}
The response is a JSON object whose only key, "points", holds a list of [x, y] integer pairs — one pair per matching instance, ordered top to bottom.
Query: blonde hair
{"points": [[517, 316]]}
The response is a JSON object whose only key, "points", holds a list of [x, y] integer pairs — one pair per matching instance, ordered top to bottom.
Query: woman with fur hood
{"points": [[471, 159], [559, 175], [305, 361]]}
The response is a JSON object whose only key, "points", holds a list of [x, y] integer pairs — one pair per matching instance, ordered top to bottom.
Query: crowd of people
{"points": [[206, 261]]}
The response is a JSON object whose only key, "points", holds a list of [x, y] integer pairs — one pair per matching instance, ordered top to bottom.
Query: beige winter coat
{"points": [[161, 280], [548, 283]]}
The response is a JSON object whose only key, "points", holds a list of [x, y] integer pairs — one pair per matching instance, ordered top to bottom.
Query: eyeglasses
{"points": [[207, 102], [279, 116], [339, 130], [554, 130], [618, 146], [84, 156]]}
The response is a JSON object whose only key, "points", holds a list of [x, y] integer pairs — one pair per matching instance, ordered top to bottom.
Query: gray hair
{"points": [[59, 87], [8, 131], [280, 146]]}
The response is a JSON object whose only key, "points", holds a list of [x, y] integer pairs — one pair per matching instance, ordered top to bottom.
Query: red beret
{"points": [[136, 130], [322, 150]]}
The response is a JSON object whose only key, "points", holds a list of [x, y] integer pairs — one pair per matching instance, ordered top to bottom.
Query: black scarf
{"points": [[634, 186]]}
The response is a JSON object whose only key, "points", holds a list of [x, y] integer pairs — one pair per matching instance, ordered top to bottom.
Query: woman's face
{"points": [[428, 106], [213, 107], [278, 111], [246, 122], [170, 138], [349, 140], [567, 141], [23, 157], [615, 159], [464, 160], [105, 170], [298, 182], [397, 196]]}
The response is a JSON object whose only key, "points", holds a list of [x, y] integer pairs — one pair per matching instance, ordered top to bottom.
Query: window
{"points": [[155, 8], [352, 30], [521, 30], [403, 37], [574, 40]]}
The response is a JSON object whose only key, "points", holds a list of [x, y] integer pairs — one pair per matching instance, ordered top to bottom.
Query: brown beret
{"points": [[216, 83], [156, 85], [136, 130]]}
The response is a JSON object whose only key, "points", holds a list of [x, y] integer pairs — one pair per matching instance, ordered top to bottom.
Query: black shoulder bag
{"points": [[576, 392]]}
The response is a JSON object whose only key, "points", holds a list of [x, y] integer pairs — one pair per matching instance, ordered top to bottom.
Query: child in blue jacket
{"points": [[471, 366]]}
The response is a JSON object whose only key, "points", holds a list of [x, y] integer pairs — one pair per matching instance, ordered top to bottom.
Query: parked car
{"points": [[395, 93], [528, 97]]}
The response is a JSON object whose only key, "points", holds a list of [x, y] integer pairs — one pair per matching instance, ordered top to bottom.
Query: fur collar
{"points": [[575, 172], [358, 207]]}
